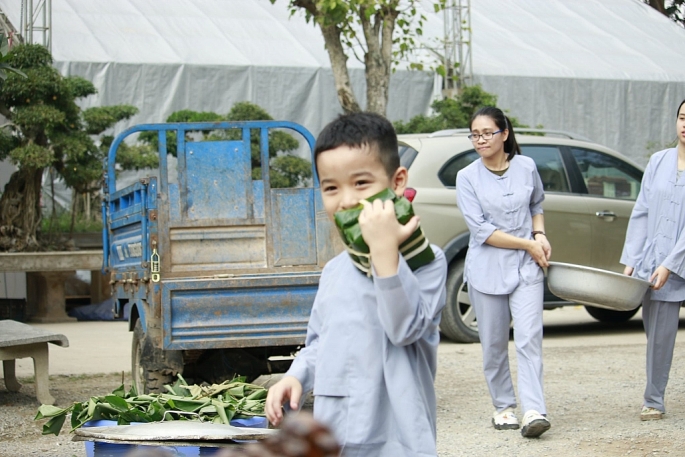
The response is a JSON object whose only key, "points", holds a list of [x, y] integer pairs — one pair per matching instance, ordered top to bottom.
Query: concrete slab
{"points": [[94, 347]]}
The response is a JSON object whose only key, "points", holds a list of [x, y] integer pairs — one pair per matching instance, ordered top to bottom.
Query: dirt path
{"points": [[593, 386]]}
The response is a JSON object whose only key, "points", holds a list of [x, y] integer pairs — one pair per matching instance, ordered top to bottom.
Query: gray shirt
{"points": [[507, 203], [655, 231], [371, 356]]}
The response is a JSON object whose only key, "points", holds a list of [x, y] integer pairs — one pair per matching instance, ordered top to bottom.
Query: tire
{"points": [[610, 316], [458, 321], [146, 380]]}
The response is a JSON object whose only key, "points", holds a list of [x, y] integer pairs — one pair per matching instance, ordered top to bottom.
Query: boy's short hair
{"points": [[356, 130]]}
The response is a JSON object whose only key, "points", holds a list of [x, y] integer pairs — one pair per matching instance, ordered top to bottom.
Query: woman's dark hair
{"points": [[680, 106], [511, 147]]}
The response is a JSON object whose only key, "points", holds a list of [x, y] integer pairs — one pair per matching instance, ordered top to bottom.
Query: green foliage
{"points": [[351, 16], [378, 33], [29, 56], [5, 66], [80, 87], [453, 113], [186, 115], [100, 118], [37, 120], [47, 128], [7, 143], [31, 155], [137, 156], [286, 170], [61, 223], [218, 403]]}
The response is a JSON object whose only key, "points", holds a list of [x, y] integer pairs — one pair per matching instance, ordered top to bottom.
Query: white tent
{"points": [[206, 55], [611, 70]]}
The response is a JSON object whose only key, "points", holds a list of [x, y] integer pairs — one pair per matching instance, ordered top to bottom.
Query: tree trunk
{"points": [[658, 5], [336, 54], [378, 58], [20, 210]]}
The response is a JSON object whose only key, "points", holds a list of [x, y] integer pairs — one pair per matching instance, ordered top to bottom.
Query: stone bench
{"points": [[47, 272], [18, 341]]}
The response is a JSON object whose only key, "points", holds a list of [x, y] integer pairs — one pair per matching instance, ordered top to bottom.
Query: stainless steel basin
{"points": [[595, 287]]}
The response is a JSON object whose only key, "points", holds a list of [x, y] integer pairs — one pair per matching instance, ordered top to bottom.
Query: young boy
{"points": [[371, 349]]}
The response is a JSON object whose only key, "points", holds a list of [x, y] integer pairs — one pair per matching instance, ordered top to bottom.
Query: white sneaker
{"points": [[650, 414], [505, 420], [534, 424]]}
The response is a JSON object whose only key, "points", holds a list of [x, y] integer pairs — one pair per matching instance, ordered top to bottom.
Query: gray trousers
{"points": [[494, 313], [660, 319]]}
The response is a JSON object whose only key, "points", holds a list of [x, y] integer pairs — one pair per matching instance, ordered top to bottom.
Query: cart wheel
{"points": [[145, 380]]}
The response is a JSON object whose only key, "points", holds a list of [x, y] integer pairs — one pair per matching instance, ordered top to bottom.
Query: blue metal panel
{"points": [[219, 180], [258, 199], [174, 203], [292, 226], [328, 242], [126, 247], [267, 310]]}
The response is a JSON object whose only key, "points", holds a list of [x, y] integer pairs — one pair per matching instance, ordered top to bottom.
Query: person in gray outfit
{"points": [[500, 196], [654, 250]]}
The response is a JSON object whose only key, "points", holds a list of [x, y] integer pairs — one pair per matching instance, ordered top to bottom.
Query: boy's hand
{"points": [[380, 227], [384, 234], [288, 388]]}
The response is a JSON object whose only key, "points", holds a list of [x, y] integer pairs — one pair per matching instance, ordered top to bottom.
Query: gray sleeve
{"points": [[538, 195], [470, 207], [636, 234], [410, 302], [303, 367]]}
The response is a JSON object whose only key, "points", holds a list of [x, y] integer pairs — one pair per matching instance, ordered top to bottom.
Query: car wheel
{"points": [[610, 316], [458, 321], [145, 379]]}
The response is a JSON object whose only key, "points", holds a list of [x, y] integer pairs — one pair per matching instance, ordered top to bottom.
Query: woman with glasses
{"points": [[500, 196], [655, 250]]}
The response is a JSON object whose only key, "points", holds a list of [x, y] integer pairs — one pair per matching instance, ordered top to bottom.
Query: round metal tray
{"points": [[595, 287]]}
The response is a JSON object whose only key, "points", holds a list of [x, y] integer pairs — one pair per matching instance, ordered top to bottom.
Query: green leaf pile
{"points": [[217, 403]]}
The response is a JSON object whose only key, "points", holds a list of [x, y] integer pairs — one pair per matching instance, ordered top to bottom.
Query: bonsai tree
{"points": [[453, 113], [45, 128], [285, 168]]}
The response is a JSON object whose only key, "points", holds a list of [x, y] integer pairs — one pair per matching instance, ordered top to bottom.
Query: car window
{"points": [[407, 155], [550, 167], [448, 172], [607, 176]]}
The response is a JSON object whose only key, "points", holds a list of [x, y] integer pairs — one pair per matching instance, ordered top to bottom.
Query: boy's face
{"points": [[348, 175]]}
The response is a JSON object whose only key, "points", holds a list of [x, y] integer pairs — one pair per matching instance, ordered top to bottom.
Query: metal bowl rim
{"points": [[598, 270]]}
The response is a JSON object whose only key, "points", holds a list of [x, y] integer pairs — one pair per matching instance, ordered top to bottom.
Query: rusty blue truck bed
{"points": [[219, 268]]}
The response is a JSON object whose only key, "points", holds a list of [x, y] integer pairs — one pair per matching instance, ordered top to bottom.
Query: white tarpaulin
{"points": [[610, 70]]}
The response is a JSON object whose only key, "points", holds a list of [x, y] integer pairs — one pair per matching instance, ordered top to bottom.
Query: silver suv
{"points": [[589, 195]]}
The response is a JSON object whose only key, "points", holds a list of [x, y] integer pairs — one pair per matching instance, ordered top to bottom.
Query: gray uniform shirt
{"points": [[507, 203], [655, 231], [371, 356]]}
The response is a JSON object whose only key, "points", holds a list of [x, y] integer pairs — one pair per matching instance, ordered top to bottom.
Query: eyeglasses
{"points": [[474, 137]]}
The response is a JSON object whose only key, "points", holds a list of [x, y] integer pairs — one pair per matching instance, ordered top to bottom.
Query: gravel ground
{"points": [[593, 395]]}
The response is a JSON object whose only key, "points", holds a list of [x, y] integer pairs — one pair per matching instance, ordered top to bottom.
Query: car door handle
{"points": [[605, 214]]}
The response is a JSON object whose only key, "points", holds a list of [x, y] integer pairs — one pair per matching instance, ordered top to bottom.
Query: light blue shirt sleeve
{"points": [[538, 195], [470, 207], [636, 235], [409, 303], [304, 366]]}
